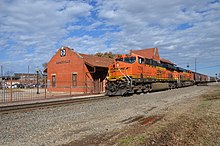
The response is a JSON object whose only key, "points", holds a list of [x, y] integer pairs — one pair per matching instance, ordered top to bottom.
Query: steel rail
{"points": [[49, 104]]}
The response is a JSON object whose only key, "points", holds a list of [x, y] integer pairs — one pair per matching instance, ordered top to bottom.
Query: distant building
{"points": [[70, 71], [26, 78], [8, 80]]}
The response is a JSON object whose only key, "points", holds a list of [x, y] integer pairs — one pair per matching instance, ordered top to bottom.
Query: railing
{"points": [[14, 91]]}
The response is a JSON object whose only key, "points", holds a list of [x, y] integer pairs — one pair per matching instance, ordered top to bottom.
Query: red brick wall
{"points": [[63, 68]]}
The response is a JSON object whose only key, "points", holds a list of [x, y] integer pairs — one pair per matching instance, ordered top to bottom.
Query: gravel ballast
{"points": [[61, 125]]}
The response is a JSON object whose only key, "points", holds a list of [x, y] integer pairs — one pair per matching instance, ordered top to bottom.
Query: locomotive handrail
{"points": [[124, 75], [129, 77]]}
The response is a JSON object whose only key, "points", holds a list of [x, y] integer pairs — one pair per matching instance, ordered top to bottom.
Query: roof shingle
{"points": [[151, 53], [96, 61], [166, 61]]}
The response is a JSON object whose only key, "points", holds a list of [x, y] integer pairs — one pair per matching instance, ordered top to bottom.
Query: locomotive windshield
{"points": [[119, 59], [129, 59]]}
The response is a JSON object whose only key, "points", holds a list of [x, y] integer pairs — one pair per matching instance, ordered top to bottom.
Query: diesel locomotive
{"points": [[134, 73]]}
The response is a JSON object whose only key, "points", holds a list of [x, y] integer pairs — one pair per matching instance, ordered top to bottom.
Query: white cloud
{"points": [[29, 21], [30, 28], [182, 30]]}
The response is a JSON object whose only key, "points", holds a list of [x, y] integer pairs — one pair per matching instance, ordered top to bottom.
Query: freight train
{"points": [[133, 73]]}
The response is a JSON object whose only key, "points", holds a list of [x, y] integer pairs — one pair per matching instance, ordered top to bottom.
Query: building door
{"points": [[74, 79], [53, 80], [97, 86]]}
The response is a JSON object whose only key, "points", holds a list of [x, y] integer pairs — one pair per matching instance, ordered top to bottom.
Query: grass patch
{"points": [[212, 95], [199, 125], [130, 140]]}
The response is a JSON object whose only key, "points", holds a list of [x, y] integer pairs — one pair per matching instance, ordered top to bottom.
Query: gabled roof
{"points": [[150, 53], [90, 60], [96, 61], [166, 61]]}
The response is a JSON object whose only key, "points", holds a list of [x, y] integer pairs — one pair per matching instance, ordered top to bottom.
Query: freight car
{"points": [[133, 73], [200, 79]]}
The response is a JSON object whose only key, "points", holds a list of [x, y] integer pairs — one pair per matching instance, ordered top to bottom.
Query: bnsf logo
{"points": [[62, 52]]}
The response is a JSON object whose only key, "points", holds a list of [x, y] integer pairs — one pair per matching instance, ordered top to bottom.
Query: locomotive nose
{"points": [[115, 65]]}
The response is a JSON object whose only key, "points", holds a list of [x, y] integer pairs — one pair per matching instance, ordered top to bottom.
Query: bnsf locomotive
{"points": [[133, 73]]}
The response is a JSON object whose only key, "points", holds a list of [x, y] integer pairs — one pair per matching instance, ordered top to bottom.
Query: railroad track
{"points": [[49, 104]]}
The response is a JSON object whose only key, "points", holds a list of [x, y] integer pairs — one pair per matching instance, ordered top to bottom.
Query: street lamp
{"points": [[187, 65], [37, 70]]}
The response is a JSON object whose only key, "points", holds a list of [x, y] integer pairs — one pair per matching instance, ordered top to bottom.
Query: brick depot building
{"points": [[70, 71]]}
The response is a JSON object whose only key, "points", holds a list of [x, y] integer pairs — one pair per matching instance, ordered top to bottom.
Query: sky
{"points": [[31, 31]]}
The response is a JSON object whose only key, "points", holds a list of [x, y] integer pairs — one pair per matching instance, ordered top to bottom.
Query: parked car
{"points": [[12, 86], [20, 86], [30, 86]]}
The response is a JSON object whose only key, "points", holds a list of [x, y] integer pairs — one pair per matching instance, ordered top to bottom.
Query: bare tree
{"points": [[106, 55], [44, 65]]}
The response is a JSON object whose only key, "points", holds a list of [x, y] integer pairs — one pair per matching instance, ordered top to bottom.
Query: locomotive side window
{"points": [[119, 59], [129, 59], [140, 60], [148, 61], [154, 63], [159, 64]]}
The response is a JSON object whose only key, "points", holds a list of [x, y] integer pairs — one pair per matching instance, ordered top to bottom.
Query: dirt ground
{"points": [[192, 122]]}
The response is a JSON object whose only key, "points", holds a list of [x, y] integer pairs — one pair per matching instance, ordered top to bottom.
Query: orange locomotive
{"points": [[135, 74]]}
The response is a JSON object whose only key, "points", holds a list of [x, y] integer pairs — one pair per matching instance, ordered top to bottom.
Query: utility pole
{"points": [[195, 65], [28, 69], [1, 70], [37, 70], [195, 71]]}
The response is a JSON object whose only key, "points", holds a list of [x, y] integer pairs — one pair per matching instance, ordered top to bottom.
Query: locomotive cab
{"points": [[126, 66], [122, 74]]}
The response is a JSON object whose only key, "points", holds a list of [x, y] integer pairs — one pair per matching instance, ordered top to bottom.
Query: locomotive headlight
{"points": [[117, 64]]}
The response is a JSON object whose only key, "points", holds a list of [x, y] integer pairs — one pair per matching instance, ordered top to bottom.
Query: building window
{"points": [[74, 79], [53, 80]]}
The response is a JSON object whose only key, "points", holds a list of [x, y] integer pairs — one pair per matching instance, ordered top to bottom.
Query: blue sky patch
{"points": [[215, 1], [184, 26]]}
